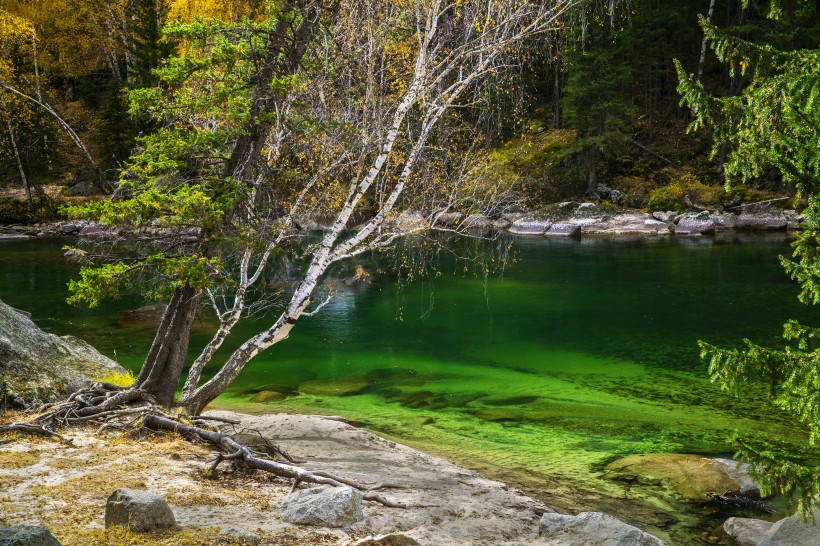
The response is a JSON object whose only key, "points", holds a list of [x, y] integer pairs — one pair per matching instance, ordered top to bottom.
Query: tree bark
{"points": [[163, 366]]}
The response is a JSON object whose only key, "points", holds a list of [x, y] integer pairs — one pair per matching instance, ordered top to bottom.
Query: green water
{"points": [[581, 352]]}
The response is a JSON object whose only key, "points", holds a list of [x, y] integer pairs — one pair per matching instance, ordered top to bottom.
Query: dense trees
{"points": [[772, 122]]}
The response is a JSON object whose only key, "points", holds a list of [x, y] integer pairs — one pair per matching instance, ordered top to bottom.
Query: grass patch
{"points": [[121, 379], [13, 460]]}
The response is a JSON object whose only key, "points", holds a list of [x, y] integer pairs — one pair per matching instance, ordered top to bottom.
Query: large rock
{"points": [[761, 222], [695, 224], [529, 226], [563, 230], [37, 367], [740, 473], [691, 476], [323, 506], [140, 510], [592, 529], [746, 531], [791, 531], [27, 535]]}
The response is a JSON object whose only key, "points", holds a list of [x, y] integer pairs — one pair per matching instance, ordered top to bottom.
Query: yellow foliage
{"points": [[122, 379]]}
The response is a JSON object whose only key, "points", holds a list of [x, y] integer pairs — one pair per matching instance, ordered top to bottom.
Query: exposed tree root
{"points": [[124, 409], [239, 452]]}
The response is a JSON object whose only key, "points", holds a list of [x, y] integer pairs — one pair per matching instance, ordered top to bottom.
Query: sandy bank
{"points": [[65, 487]]}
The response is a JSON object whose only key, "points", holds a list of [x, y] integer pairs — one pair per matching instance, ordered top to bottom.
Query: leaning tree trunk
{"points": [[163, 366]]}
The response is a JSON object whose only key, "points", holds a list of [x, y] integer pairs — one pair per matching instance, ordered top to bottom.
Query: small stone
{"points": [[323, 506], [140, 510], [241, 534], [27, 535], [391, 539]]}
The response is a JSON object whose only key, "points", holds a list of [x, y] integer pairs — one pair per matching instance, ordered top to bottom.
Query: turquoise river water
{"points": [[583, 351]]}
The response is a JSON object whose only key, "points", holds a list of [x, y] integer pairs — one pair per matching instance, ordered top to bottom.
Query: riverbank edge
{"points": [[561, 220], [446, 504]]}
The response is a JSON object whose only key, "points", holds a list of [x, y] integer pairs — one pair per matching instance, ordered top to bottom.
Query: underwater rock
{"points": [[395, 376], [342, 386], [267, 396], [691, 476]]}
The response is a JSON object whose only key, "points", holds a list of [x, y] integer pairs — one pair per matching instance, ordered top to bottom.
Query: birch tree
{"points": [[320, 111]]}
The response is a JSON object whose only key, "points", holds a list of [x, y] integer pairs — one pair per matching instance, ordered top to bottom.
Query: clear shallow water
{"points": [[582, 352]]}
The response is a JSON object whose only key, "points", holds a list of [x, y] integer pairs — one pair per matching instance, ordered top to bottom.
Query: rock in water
{"points": [[38, 367], [691, 476], [323, 506], [140, 510], [592, 529], [746, 531], [791, 531], [27, 535]]}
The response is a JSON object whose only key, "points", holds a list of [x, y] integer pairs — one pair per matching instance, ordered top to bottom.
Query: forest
{"points": [[237, 168]]}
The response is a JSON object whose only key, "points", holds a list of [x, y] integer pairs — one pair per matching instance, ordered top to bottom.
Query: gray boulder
{"points": [[670, 216], [477, 221], [761, 222], [696, 224], [529, 226], [563, 230], [38, 367], [740, 473], [323, 506], [140, 510], [592, 529], [746, 531], [791, 531], [27, 535]]}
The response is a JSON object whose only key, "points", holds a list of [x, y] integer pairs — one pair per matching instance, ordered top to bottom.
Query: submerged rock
{"points": [[38, 367], [342, 386], [267, 396], [691, 476], [323, 506], [140, 511], [592, 529], [27, 535]]}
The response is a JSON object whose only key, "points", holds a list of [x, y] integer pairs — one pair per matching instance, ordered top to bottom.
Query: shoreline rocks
{"points": [[568, 219]]}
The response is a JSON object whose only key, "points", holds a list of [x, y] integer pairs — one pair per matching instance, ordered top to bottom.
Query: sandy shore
{"points": [[65, 487]]}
